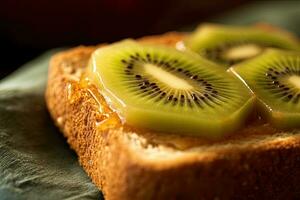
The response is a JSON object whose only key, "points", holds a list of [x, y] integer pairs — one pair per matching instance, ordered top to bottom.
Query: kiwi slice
{"points": [[229, 45], [275, 78], [165, 90]]}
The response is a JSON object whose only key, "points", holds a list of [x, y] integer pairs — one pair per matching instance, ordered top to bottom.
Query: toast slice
{"points": [[258, 162]]}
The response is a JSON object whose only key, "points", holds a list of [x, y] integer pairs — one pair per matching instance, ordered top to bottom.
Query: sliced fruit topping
{"points": [[232, 44], [275, 78], [162, 89]]}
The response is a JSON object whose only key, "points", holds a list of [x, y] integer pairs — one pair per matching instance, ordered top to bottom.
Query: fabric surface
{"points": [[35, 161]]}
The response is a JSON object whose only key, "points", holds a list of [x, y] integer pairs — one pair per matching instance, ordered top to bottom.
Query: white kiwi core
{"points": [[242, 52], [166, 77], [295, 81]]}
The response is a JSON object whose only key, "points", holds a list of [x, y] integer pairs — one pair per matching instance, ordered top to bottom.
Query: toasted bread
{"points": [[258, 162]]}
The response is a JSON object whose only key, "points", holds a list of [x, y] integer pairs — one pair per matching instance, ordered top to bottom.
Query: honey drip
{"points": [[107, 118]]}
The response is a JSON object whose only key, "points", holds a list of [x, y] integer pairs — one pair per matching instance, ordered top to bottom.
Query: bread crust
{"points": [[125, 164]]}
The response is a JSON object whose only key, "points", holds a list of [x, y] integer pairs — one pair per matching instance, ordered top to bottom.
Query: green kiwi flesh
{"points": [[229, 45], [274, 77], [165, 90]]}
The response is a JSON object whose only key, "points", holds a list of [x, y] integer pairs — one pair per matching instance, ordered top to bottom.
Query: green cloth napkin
{"points": [[35, 161]]}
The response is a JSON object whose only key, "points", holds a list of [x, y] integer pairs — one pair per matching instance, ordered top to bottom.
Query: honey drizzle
{"points": [[108, 118]]}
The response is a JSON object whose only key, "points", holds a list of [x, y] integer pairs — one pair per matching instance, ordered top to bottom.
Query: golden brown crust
{"points": [[127, 164]]}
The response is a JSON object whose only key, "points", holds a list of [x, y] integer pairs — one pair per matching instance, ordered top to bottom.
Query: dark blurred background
{"points": [[28, 28]]}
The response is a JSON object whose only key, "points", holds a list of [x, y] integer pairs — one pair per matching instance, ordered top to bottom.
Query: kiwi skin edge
{"points": [[277, 119]]}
